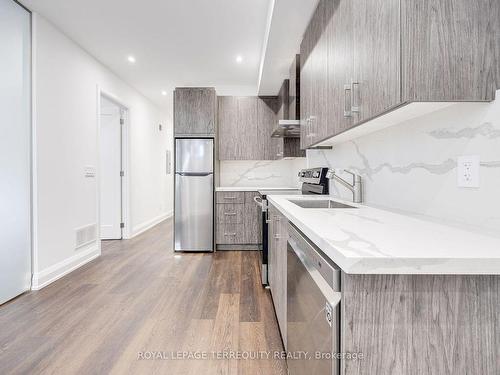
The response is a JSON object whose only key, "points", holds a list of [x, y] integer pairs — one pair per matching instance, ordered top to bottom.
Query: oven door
{"points": [[262, 203]]}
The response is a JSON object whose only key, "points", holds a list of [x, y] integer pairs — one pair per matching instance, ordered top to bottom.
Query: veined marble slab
{"points": [[252, 188], [366, 240]]}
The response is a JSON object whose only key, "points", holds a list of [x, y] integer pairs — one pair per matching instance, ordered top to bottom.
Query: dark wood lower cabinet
{"points": [[239, 219], [404, 324], [421, 324]]}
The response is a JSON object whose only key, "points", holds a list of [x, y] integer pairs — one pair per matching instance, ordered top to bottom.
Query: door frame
{"points": [[125, 162]]}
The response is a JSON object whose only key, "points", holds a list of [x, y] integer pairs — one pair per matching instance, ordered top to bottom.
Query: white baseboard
{"points": [[141, 228], [49, 275]]}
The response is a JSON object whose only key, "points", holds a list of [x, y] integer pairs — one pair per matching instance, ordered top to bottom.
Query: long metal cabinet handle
{"points": [[347, 103], [354, 105], [312, 134], [230, 197], [230, 213], [229, 234]]}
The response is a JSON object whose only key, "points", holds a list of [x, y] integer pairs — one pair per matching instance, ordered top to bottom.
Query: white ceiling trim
{"points": [[266, 40]]}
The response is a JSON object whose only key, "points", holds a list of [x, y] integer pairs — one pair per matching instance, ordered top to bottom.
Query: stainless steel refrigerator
{"points": [[194, 194]]}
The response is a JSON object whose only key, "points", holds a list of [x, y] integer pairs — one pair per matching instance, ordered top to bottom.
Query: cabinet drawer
{"points": [[230, 197], [230, 213], [230, 233]]}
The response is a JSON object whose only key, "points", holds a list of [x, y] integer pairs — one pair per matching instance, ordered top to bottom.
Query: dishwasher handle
{"points": [[330, 295]]}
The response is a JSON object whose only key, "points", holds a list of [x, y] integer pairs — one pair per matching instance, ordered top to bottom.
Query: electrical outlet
{"points": [[468, 171]]}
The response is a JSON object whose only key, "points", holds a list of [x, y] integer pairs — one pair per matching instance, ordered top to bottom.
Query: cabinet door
{"points": [[451, 49], [340, 66], [319, 78], [377, 84], [305, 88], [194, 111], [238, 128], [247, 128], [228, 129], [267, 147], [253, 219], [230, 234], [281, 278]]}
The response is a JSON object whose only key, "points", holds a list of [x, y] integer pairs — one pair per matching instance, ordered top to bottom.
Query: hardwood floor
{"points": [[128, 310]]}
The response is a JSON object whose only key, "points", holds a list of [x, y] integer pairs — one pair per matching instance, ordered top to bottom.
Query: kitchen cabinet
{"points": [[450, 50], [382, 55], [340, 66], [313, 82], [376, 85], [294, 89], [195, 111], [237, 123], [245, 125], [288, 147], [269, 148], [252, 219], [239, 220], [278, 238], [431, 324]]}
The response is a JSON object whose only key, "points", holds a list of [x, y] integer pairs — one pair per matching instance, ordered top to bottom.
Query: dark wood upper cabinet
{"points": [[450, 50], [363, 58], [340, 65], [376, 83], [294, 90], [195, 111], [245, 125], [268, 148]]}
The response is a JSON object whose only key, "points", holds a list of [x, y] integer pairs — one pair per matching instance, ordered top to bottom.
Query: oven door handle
{"points": [[258, 200], [262, 203]]}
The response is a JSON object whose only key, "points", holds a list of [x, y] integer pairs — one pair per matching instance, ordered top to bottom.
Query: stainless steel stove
{"points": [[314, 182]]}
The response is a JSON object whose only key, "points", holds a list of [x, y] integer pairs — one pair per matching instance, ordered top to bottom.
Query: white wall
{"points": [[65, 123], [413, 166], [261, 173]]}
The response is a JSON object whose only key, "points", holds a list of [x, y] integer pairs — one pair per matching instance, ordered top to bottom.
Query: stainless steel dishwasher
{"points": [[313, 298]]}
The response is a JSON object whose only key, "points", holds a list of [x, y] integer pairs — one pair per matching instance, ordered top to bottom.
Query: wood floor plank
{"points": [[140, 297]]}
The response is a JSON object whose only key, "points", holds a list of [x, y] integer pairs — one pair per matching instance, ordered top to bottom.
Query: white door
{"points": [[15, 150], [110, 167]]}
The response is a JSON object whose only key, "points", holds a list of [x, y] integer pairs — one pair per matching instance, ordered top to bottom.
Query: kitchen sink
{"points": [[319, 204]]}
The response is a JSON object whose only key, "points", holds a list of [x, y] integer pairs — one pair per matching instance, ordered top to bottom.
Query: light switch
{"points": [[90, 171], [468, 171]]}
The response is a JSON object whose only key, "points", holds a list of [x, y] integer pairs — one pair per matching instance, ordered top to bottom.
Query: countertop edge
{"points": [[398, 266]]}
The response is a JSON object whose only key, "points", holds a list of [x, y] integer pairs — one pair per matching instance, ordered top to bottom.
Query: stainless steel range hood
{"points": [[287, 129]]}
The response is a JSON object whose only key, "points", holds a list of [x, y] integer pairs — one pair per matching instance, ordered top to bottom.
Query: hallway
{"points": [[139, 297]]}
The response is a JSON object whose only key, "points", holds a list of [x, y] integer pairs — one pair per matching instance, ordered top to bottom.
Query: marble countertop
{"points": [[252, 188], [367, 240]]}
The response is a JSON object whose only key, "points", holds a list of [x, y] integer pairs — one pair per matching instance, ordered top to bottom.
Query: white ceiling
{"points": [[288, 22], [179, 42]]}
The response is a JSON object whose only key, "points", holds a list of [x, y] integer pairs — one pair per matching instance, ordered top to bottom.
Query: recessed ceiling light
{"points": [[131, 59], [239, 59], [164, 93]]}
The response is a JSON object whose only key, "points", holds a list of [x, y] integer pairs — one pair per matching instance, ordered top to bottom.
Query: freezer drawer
{"points": [[194, 155], [194, 212]]}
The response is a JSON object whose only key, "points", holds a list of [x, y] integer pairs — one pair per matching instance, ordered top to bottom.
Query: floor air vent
{"points": [[86, 235]]}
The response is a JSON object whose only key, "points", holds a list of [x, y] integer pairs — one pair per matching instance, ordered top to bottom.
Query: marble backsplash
{"points": [[412, 166], [261, 173]]}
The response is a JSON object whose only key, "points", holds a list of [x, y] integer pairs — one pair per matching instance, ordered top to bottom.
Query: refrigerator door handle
{"points": [[197, 174]]}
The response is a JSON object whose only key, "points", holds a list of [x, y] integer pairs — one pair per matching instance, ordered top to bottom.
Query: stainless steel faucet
{"points": [[356, 187]]}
